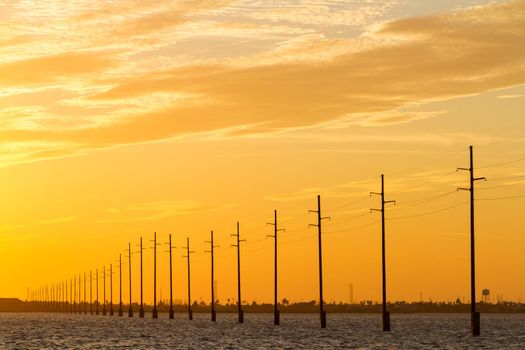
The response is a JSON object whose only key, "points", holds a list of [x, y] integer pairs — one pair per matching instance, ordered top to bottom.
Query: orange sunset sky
{"points": [[122, 118]]}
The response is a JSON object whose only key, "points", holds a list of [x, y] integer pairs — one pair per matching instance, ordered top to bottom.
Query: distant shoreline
{"points": [[17, 305]]}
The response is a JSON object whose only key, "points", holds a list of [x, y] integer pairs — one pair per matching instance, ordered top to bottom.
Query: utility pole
{"points": [[320, 218], [238, 245], [188, 252], [110, 289], [104, 290], [90, 292], [79, 294], [96, 294], [85, 299], [212, 304], [71, 306], [66, 308], [130, 311], [141, 311], [120, 312], [155, 313], [172, 313], [276, 313], [386, 314], [475, 316]]}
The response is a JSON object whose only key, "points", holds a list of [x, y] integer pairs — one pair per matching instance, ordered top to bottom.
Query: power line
{"points": [[428, 163], [502, 163], [508, 178], [430, 181], [499, 186], [501, 198], [429, 199], [351, 203], [430, 212], [345, 220], [355, 228]]}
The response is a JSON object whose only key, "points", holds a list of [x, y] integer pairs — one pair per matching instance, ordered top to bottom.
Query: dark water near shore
{"points": [[416, 331]]}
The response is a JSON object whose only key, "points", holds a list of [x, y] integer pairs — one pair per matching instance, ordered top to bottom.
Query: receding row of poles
{"points": [[58, 293]]}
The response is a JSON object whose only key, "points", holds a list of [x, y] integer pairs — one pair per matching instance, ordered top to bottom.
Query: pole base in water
{"points": [[104, 311], [111, 312], [130, 312], [120, 313], [141, 313], [155, 313], [172, 314], [190, 314], [213, 315], [241, 316], [276, 317], [323, 319], [386, 321], [475, 324]]}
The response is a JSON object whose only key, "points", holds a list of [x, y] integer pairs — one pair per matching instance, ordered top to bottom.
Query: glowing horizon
{"points": [[120, 120]]}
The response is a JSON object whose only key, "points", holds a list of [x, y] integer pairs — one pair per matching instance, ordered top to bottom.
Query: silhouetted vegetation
{"points": [[368, 306]]}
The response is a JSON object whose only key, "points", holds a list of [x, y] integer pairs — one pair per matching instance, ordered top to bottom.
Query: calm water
{"points": [[443, 331]]}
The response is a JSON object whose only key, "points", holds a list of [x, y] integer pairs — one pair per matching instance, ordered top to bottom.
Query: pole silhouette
{"points": [[320, 218], [188, 253], [104, 291], [90, 293], [96, 293], [79, 294], [85, 299], [239, 301], [212, 304], [71, 306], [66, 308], [130, 311], [141, 311], [111, 312], [120, 312], [276, 312], [155, 313], [171, 313], [386, 314], [475, 316]]}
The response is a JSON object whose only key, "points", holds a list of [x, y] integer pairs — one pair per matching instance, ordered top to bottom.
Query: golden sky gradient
{"points": [[123, 118]]}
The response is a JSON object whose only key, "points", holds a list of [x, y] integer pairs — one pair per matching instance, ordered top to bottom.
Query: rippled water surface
{"points": [[424, 331]]}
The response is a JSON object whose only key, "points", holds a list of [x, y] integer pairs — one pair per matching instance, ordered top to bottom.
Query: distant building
{"points": [[485, 296]]}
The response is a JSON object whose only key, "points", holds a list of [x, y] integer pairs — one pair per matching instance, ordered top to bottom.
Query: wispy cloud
{"points": [[117, 96], [159, 210], [50, 221]]}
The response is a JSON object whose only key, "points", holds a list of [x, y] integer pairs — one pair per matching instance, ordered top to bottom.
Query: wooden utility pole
{"points": [[188, 253], [111, 290], [104, 291], [90, 292], [80, 294], [96, 294], [85, 298], [239, 299], [212, 304], [71, 305], [130, 311], [141, 311], [120, 312], [171, 312], [276, 312], [155, 313], [322, 313], [386, 314], [475, 316]]}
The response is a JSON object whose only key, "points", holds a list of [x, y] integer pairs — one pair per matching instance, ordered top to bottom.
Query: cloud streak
{"points": [[414, 61]]}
